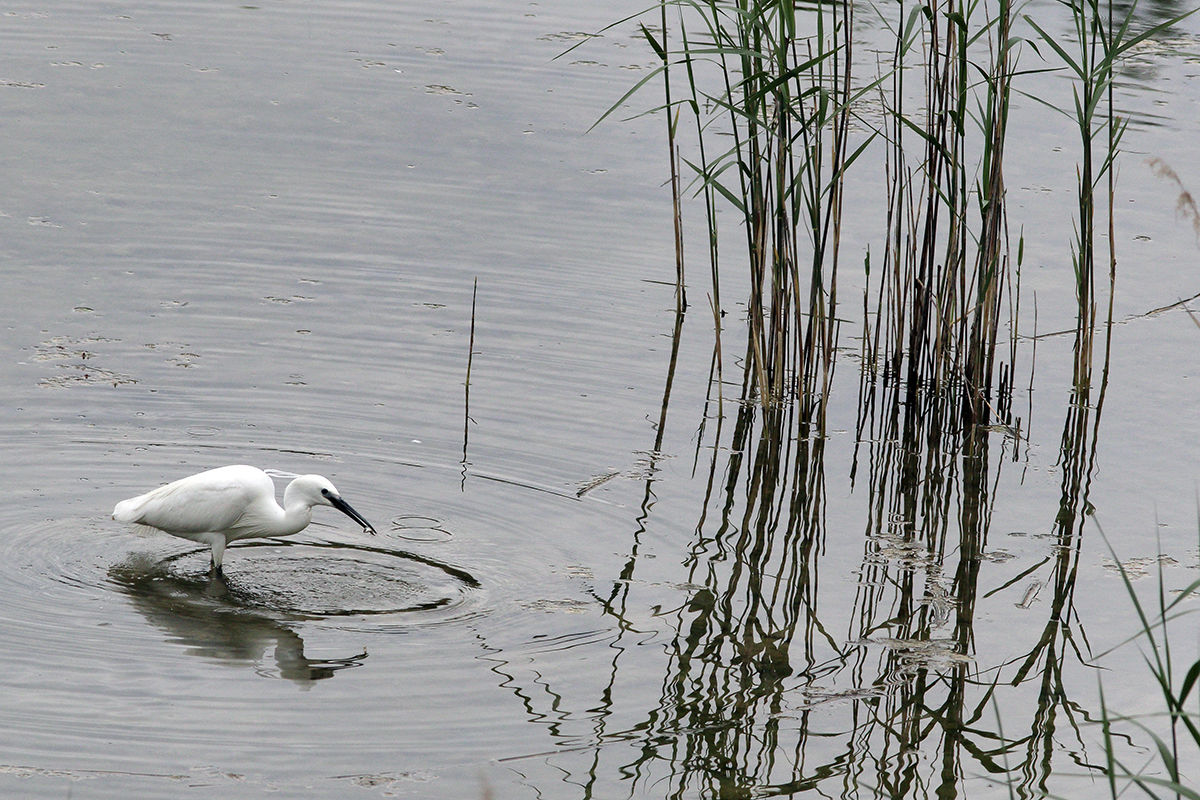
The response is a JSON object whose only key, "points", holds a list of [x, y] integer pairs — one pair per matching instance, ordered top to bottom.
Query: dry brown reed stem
{"points": [[672, 117], [991, 268], [945, 280]]}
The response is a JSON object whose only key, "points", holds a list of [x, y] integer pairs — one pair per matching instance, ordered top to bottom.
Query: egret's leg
{"points": [[218, 552]]}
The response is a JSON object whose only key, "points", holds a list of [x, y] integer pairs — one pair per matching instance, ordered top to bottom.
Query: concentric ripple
{"points": [[419, 529], [299, 579], [321, 579]]}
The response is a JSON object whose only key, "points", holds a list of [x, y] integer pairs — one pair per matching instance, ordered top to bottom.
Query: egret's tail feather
{"points": [[129, 511]]}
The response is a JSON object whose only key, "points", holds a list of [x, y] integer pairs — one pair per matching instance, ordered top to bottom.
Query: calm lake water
{"points": [[250, 234]]}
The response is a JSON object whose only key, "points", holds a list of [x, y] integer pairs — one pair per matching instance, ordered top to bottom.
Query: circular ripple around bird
{"points": [[44, 567], [319, 579], [334, 580]]}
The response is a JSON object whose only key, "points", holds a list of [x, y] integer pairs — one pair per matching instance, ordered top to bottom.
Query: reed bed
{"points": [[768, 93], [772, 93], [779, 116]]}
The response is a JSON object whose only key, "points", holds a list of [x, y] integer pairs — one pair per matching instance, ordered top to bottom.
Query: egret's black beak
{"points": [[344, 507]]}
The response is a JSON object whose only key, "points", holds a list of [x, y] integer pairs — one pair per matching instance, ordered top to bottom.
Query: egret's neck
{"points": [[295, 514], [294, 519]]}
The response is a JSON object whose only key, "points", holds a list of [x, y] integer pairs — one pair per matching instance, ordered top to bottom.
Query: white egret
{"points": [[225, 504]]}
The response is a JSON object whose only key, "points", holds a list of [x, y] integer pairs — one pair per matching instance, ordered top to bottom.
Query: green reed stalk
{"points": [[1100, 43], [776, 83], [1155, 631]]}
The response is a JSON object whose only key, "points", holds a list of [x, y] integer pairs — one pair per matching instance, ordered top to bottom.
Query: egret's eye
{"points": [[325, 492]]}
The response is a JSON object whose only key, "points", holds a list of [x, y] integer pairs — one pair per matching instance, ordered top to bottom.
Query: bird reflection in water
{"points": [[207, 616]]}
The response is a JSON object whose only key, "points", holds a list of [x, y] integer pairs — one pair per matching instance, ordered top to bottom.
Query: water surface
{"points": [[250, 234]]}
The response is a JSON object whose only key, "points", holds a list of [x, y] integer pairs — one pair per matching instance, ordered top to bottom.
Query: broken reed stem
{"points": [[467, 382]]}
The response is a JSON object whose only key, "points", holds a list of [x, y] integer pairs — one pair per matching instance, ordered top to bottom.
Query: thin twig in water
{"points": [[1191, 314]]}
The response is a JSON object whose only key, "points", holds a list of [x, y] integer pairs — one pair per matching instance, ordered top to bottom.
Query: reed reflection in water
{"points": [[771, 686]]}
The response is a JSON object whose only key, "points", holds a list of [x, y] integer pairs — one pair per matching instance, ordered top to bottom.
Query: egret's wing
{"points": [[210, 501]]}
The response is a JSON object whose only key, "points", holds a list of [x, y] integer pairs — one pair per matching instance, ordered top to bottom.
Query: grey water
{"points": [[252, 234]]}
